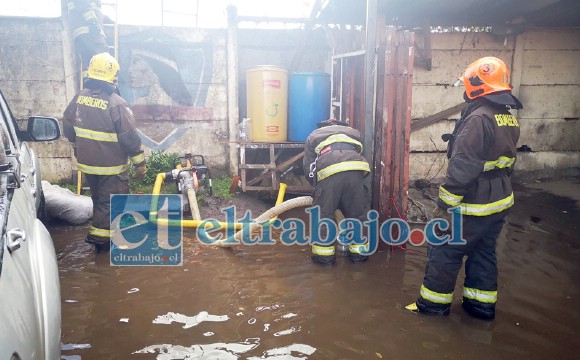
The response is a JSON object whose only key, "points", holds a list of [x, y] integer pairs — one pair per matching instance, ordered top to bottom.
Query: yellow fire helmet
{"points": [[104, 67]]}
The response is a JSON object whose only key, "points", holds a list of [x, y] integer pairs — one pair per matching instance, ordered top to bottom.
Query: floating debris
{"points": [[133, 290], [71, 301], [272, 307], [289, 315], [124, 320], [189, 321], [252, 321], [266, 327], [292, 330], [209, 333], [66, 347], [223, 351], [286, 352]]}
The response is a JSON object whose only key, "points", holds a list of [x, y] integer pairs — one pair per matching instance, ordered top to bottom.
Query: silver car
{"points": [[29, 282]]}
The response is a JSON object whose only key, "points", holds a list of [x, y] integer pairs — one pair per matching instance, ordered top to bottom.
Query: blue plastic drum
{"points": [[308, 103]]}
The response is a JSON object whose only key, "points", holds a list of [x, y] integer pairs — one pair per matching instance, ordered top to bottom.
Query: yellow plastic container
{"points": [[267, 91]]}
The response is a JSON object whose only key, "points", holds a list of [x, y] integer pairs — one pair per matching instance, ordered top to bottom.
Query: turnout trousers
{"points": [[102, 187], [343, 191], [444, 262]]}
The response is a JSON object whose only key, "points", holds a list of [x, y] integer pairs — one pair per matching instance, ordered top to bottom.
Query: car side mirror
{"points": [[42, 128]]}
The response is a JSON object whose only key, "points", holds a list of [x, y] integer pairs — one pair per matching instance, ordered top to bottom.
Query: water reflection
{"points": [[343, 312]]}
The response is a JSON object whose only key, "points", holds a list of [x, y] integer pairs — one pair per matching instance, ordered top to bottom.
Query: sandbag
{"points": [[63, 204]]}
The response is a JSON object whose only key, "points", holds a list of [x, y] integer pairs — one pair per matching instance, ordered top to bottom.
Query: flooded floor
{"points": [[272, 302]]}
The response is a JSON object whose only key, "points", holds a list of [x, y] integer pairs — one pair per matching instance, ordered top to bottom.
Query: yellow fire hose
{"points": [[192, 200], [193, 204], [263, 220], [170, 222]]}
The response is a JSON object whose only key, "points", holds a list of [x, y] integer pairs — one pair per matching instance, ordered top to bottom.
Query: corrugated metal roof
{"points": [[545, 13]]}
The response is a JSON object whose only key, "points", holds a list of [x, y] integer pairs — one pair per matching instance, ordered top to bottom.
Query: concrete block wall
{"points": [[545, 73], [37, 74], [36, 80], [175, 81], [177, 90], [550, 90]]}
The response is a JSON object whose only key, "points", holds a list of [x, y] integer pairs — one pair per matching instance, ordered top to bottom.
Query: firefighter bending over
{"points": [[101, 127], [482, 154], [333, 164]]}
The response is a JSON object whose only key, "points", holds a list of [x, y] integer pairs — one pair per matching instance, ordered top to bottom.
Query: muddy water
{"points": [[271, 302]]}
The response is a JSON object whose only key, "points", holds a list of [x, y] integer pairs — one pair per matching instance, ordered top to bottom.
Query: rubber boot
{"points": [[101, 244], [102, 247], [357, 258], [324, 260], [429, 308], [477, 310]]}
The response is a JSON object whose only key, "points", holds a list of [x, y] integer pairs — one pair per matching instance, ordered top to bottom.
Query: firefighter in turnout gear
{"points": [[86, 20], [100, 126], [482, 154], [333, 164]]}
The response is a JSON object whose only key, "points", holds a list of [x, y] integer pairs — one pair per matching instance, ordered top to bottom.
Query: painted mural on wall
{"points": [[164, 79]]}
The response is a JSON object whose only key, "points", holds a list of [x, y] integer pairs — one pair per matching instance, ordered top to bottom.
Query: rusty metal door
{"points": [[393, 125]]}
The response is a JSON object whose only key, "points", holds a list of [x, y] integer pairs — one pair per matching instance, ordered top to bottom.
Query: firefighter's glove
{"points": [[140, 172], [440, 213]]}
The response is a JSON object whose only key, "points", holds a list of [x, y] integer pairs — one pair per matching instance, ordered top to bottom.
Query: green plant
{"points": [[157, 162], [221, 187]]}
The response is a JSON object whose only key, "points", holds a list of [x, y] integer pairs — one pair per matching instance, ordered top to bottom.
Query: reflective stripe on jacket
{"points": [[102, 129], [482, 158], [328, 163]]}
